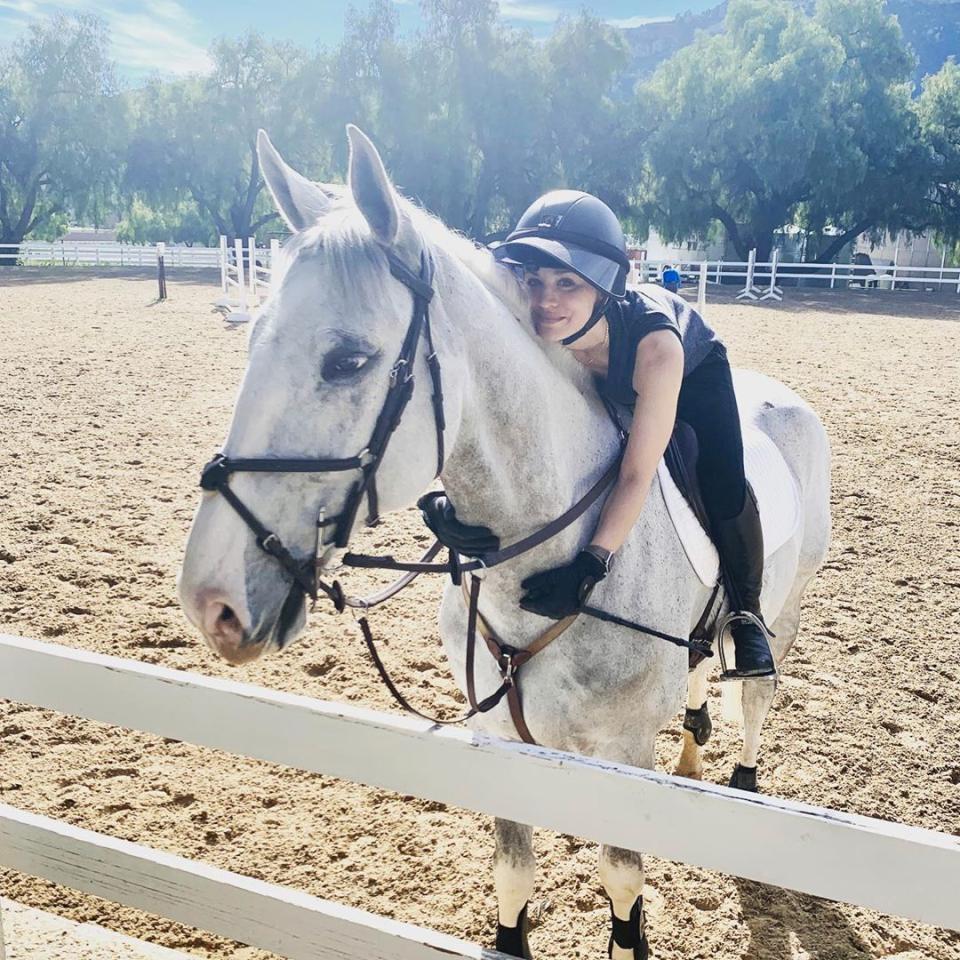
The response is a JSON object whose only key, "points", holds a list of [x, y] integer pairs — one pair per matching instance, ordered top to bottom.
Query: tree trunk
{"points": [[838, 243]]}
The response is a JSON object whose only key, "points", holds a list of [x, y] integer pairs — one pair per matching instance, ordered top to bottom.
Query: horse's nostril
{"points": [[226, 615]]}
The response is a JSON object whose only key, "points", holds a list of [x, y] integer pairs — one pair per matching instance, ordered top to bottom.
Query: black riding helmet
{"points": [[569, 229]]}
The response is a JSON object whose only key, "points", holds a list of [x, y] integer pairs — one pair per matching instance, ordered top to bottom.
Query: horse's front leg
{"points": [[514, 868], [621, 873]]}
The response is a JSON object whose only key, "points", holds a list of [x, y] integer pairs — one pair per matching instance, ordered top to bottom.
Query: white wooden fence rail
{"points": [[900, 870], [288, 922]]}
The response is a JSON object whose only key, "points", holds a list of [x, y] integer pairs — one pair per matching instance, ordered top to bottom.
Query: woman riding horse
{"points": [[648, 350]]}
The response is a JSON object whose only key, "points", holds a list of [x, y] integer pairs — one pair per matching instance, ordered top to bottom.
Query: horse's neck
{"points": [[529, 441]]}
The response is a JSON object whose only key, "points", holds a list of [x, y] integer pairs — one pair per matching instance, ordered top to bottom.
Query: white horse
{"points": [[525, 436]]}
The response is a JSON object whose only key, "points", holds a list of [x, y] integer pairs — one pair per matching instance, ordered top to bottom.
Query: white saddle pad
{"points": [[778, 498]]}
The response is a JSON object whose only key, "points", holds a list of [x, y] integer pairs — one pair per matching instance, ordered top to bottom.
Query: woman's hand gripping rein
{"points": [[441, 518], [562, 591]]}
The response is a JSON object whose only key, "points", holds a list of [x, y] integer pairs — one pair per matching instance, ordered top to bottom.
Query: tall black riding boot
{"points": [[740, 544]]}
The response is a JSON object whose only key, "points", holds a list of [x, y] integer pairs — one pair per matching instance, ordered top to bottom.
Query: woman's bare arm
{"points": [[657, 375]]}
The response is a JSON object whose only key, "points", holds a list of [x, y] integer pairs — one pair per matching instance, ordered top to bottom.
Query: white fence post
{"points": [[275, 255], [896, 257], [252, 267], [702, 286], [773, 291]]}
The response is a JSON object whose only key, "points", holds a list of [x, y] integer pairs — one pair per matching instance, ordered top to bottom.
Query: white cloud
{"points": [[18, 6], [170, 10], [532, 12], [638, 21], [146, 35], [142, 43]]}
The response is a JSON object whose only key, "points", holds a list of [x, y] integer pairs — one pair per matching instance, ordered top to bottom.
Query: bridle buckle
{"points": [[403, 366], [508, 666]]}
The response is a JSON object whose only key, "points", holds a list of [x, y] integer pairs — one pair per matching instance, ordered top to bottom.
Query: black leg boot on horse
{"points": [[740, 544], [630, 934]]}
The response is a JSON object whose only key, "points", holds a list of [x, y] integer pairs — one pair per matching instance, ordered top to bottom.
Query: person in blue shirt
{"points": [[670, 278]]}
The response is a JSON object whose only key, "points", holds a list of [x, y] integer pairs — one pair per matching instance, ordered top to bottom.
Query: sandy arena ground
{"points": [[109, 405]]}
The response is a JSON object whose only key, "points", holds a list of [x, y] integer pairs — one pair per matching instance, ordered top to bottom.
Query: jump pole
{"points": [[223, 263], [241, 282], [702, 286], [748, 291], [773, 291]]}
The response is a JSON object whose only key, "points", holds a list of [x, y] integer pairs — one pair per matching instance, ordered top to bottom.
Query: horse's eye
{"points": [[341, 366]]}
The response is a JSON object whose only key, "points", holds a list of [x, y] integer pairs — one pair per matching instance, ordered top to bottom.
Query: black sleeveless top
{"points": [[644, 309]]}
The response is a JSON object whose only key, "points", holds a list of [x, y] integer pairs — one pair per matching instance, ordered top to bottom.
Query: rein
{"points": [[215, 478]]}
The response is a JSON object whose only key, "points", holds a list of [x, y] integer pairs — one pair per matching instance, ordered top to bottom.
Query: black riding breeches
{"points": [[707, 402]]}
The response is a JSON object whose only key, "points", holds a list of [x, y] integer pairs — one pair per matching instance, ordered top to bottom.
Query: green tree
{"points": [[939, 112], [783, 115], [60, 125], [196, 137], [597, 138], [882, 183], [173, 224]]}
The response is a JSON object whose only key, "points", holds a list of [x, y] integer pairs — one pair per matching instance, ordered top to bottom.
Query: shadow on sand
{"points": [[784, 924]]}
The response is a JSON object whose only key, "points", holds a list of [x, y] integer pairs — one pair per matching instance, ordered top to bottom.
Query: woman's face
{"points": [[560, 301]]}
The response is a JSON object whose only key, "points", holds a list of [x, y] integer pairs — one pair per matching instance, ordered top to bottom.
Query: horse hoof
{"points": [[744, 778], [513, 940]]}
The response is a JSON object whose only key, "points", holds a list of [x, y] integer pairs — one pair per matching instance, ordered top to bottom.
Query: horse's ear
{"points": [[372, 190], [301, 202]]}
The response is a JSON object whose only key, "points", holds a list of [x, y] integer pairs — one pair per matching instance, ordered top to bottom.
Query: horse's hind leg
{"points": [[690, 763], [514, 868], [621, 873]]}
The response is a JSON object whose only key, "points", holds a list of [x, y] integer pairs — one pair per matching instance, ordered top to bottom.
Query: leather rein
{"points": [[215, 477]]}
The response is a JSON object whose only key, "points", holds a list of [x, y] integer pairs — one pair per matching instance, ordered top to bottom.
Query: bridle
{"points": [[216, 474], [215, 477]]}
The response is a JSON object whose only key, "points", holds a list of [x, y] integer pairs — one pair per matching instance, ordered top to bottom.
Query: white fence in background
{"points": [[87, 253], [246, 270], [761, 281], [900, 870]]}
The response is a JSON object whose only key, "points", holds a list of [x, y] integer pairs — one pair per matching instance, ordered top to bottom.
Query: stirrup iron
{"points": [[726, 626]]}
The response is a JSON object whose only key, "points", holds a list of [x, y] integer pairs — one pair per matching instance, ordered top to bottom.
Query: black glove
{"points": [[441, 518], [562, 591]]}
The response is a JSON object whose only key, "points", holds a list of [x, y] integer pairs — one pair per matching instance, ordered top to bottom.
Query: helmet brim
{"points": [[598, 271]]}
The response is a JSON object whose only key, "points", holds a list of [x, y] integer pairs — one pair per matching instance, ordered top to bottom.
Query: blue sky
{"points": [[170, 36]]}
